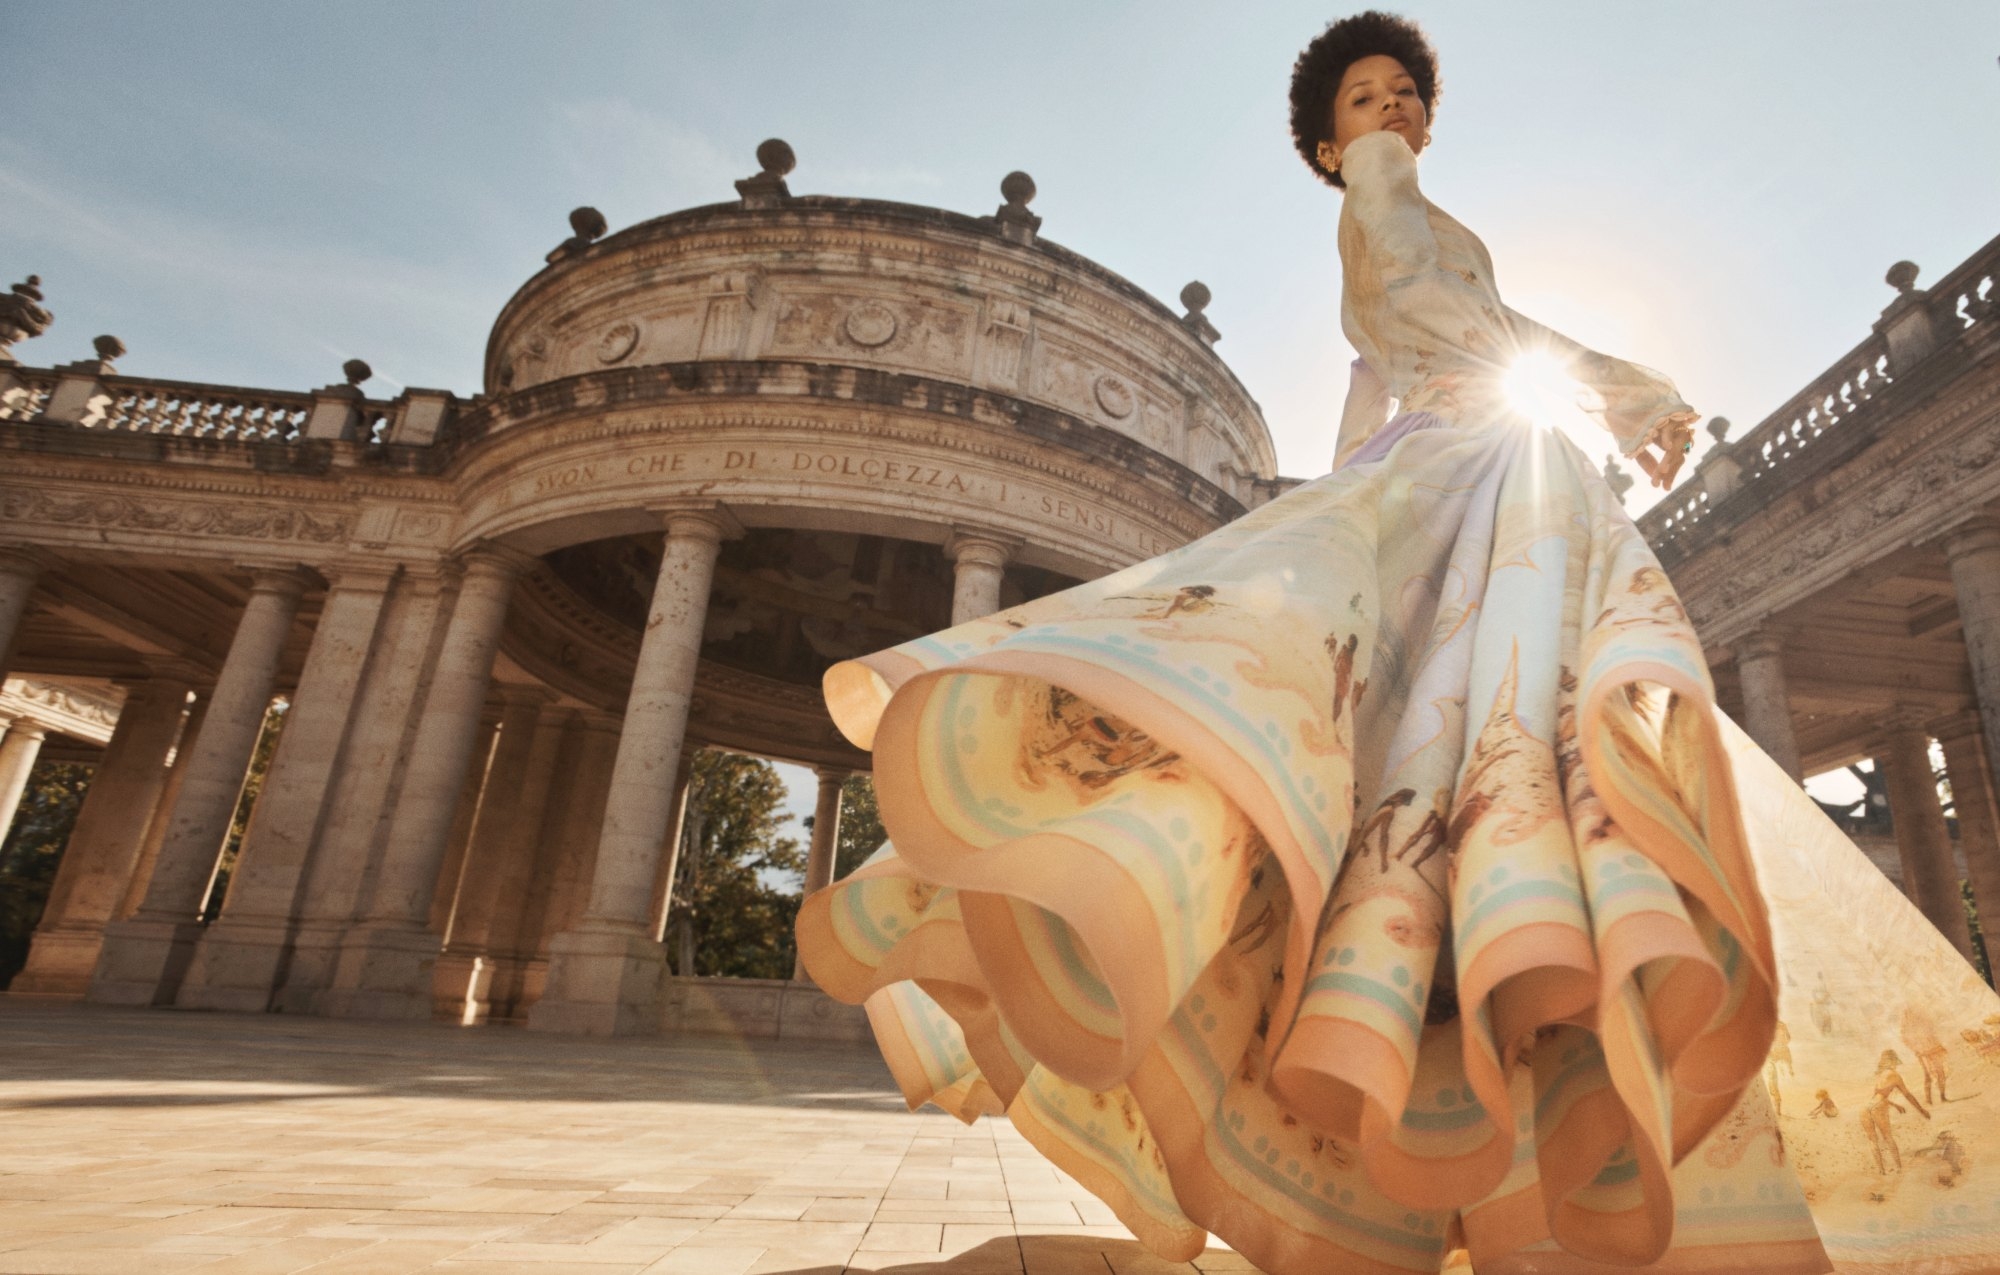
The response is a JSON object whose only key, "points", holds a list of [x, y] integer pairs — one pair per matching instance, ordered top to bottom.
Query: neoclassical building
{"points": [[716, 452], [1841, 562]]}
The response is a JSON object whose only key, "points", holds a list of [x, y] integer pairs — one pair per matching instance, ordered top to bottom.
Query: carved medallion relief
{"points": [[923, 335], [618, 342]]}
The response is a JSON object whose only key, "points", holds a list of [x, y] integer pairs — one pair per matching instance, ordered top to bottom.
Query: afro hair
{"points": [[1316, 75]]}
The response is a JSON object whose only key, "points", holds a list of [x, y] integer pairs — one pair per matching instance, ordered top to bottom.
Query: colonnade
{"points": [[1970, 742], [424, 841]]}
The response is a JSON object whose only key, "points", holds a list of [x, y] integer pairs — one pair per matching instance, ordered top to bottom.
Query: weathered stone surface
{"points": [[717, 451]]}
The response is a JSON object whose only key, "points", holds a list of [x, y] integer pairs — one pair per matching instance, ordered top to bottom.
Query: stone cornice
{"points": [[923, 235], [1033, 308], [1959, 381], [583, 406], [1898, 490], [85, 712]]}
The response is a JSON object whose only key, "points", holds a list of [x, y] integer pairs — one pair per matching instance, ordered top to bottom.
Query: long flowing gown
{"points": [[1375, 877]]}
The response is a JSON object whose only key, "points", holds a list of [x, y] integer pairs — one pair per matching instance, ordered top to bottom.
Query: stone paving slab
{"points": [[165, 1141]]}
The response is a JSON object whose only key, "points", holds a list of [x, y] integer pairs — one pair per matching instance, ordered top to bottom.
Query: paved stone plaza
{"points": [[142, 1141]]}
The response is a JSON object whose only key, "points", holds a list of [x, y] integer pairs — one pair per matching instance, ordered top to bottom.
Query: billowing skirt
{"points": [[1370, 878]]}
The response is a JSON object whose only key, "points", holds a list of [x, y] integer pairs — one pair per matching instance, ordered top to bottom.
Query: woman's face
{"points": [[1377, 93]]}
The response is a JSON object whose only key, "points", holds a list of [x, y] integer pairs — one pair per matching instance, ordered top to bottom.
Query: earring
{"points": [[1427, 137], [1329, 156]]}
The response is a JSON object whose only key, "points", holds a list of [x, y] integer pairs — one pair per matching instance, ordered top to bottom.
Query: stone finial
{"points": [[767, 188], [1014, 219], [587, 225], [1196, 297], [22, 315], [1905, 325], [107, 348], [336, 409], [1718, 429], [1616, 478]]}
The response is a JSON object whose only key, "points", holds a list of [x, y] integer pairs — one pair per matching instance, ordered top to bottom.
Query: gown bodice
{"points": [[1420, 305]]}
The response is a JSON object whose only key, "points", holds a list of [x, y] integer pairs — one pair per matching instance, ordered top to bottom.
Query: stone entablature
{"points": [[895, 287], [1893, 443], [812, 444], [1858, 498], [78, 710]]}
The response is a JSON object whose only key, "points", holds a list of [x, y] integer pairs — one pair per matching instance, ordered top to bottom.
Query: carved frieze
{"points": [[905, 331], [1004, 350], [111, 511], [1727, 587], [83, 712]]}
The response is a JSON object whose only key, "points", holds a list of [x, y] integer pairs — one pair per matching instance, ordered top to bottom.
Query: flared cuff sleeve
{"points": [[1635, 403]]}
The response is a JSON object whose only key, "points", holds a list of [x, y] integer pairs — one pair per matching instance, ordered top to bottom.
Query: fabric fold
{"points": [[1366, 873]]}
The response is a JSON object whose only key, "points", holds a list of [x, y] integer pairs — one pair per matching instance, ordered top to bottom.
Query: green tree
{"points": [[246, 801], [861, 831], [31, 852], [728, 916]]}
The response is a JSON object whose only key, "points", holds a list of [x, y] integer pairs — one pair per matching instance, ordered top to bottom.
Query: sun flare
{"points": [[1540, 387]]}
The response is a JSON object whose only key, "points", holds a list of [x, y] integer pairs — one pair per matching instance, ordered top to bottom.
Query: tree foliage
{"points": [[246, 802], [861, 831], [31, 852], [739, 922]]}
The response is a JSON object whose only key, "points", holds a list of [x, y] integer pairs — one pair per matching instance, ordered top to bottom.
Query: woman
{"points": [[1369, 879]]}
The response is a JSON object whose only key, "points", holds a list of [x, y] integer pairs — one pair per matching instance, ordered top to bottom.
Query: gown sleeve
{"points": [[1382, 198], [1632, 402], [1366, 409]]}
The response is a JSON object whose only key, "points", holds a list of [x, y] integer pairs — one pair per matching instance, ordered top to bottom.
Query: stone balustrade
{"points": [[1920, 325], [183, 409]]}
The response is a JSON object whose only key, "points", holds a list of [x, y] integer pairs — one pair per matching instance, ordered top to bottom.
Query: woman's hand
{"points": [[1674, 436]]}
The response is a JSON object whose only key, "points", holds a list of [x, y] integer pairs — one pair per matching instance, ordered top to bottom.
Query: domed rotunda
{"points": [[716, 452]]}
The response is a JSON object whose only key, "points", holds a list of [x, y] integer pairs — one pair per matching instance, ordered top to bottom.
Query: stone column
{"points": [[1973, 553], [978, 563], [20, 567], [1767, 707], [18, 750], [363, 787], [1972, 797], [163, 809], [825, 839], [670, 853], [501, 860], [97, 863], [1929, 877], [570, 891], [518, 938], [145, 957], [240, 960], [387, 962], [604, 975]]}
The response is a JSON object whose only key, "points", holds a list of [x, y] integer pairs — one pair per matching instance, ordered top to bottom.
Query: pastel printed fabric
{"points": [[1373, 878]]}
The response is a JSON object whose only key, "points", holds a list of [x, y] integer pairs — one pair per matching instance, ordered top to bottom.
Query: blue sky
{"points": [[251, 193]]}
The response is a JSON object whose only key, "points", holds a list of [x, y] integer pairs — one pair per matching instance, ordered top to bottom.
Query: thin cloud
{"points": [[281, 294]]}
